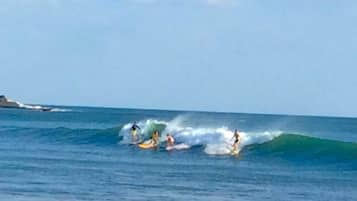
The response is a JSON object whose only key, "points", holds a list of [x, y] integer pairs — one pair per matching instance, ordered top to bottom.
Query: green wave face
{"points": [[154, 127], [292, 145]]}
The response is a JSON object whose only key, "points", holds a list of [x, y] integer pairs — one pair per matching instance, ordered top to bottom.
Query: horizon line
{"points": [[203, 111]]}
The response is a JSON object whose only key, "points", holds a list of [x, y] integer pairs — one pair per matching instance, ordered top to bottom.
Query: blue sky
{"points": [[290, 57]]}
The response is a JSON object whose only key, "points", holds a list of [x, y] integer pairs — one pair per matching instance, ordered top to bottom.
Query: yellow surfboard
{"points": [[147, 144], [235, 152]]}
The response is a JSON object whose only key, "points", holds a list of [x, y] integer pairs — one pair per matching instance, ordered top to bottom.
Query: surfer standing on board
{"points": [[134, 132], [155, 138], [236, 138], [170, 140]]}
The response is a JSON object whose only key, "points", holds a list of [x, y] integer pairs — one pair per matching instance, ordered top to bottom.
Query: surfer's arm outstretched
{"points": [[137, 127]]}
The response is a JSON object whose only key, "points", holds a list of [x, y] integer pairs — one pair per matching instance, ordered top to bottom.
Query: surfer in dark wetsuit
{"points": [[134, 132], [236, 138]]}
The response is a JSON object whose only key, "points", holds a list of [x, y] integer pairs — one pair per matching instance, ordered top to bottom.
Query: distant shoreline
{"points": [[193, 111]]}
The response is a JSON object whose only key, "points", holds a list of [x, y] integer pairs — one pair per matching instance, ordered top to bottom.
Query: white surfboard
{"points": [[178, 147], [234, 152]]}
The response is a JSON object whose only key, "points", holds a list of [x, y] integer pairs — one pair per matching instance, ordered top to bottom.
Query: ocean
{"points": [[83, 153]]}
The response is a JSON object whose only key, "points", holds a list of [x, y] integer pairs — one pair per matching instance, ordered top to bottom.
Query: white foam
{"points": [[60, 110], [145, 126], [246, 139], [216, 141]]}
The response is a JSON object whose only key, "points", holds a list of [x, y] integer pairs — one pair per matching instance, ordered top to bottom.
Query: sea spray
{"points": [[215, 140]]}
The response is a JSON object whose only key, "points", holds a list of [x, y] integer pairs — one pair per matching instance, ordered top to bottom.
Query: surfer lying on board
{"points": [[134, 132], [236, 138], [170, 140]]}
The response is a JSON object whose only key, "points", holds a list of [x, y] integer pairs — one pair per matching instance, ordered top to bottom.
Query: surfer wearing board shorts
{"points": [[134, 132], [236, 138], [170, 140]]}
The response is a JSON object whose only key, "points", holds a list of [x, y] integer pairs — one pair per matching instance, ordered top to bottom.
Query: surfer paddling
{"points": [[134, 132]]}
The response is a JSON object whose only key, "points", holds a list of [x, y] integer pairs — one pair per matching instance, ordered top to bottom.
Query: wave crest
{"points": [[216, 141]]}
